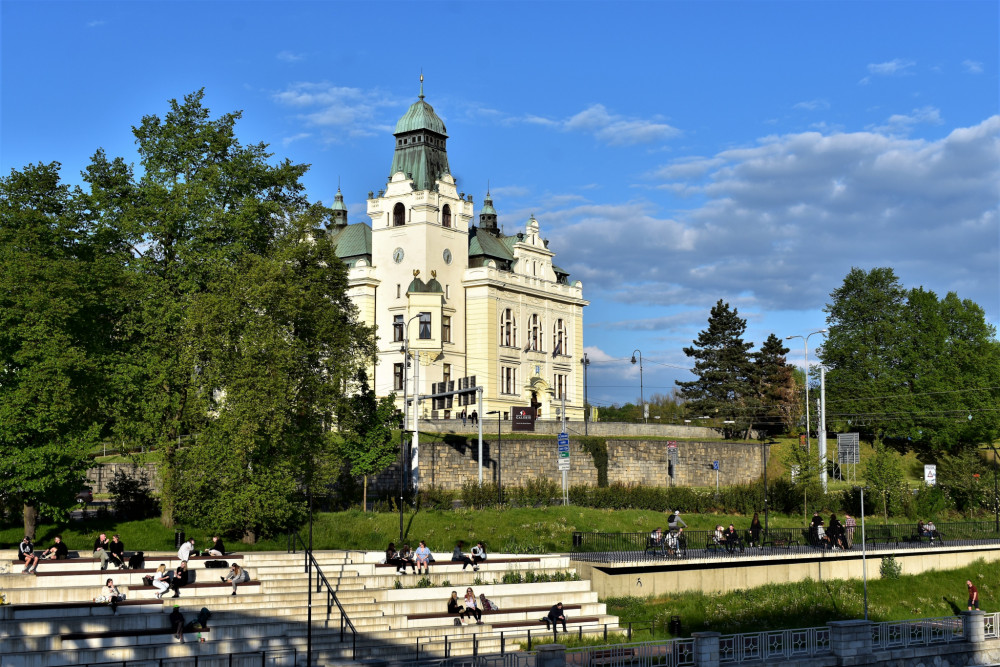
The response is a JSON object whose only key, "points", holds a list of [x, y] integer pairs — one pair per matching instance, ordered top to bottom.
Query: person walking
{"points": [[849, 525], [755, 530], [973, 595]]}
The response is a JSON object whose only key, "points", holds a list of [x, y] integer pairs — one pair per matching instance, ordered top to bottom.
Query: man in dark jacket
{"points": [[555, 616], [177, 623]]}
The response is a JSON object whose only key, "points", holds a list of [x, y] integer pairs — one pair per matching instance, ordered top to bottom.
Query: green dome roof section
{"points": [[420, 116], [421, 145]]}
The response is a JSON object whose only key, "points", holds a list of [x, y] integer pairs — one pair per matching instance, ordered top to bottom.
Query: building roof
{"points": [[420, 116], [352, 240], [482, 242]]}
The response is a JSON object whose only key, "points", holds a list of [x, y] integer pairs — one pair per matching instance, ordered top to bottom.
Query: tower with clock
{"points": [[465, 299]]}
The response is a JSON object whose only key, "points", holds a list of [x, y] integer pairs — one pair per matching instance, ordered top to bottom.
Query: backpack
{"points": [[136, 561], [147, 580]]}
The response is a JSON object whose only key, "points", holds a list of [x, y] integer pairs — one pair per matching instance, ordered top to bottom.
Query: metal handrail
{"points": [[331, 594]]}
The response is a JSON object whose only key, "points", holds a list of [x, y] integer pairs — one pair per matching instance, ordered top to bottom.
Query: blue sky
{"points": [[674, 153]]}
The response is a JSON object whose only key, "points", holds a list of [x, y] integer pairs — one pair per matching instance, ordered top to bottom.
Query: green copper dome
{"points": [[420, 116]]}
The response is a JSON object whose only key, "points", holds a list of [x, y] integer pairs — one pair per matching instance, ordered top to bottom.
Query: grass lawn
{"points": [[515, 530], [812, 603]]}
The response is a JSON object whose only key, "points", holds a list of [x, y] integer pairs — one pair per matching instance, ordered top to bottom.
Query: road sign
{"points": [[564, 439], [563, 464], [715, 465], [930, 474]]}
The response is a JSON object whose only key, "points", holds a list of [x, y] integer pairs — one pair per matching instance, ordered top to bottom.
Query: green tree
{"points": [[203, 203], [54, 331], [278, 348], [906, 366], [723, 387], [775, 388], [366, 428], [884, 476]]}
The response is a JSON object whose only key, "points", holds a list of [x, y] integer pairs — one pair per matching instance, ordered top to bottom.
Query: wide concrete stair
{"points": [[50, 619]]}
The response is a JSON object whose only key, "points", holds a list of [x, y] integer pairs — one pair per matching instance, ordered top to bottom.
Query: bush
{"points": [[131, 495], [928, 502], [890, 568]]}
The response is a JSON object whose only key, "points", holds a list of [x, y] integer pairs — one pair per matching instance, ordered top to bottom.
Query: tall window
{"points": [[398, 215], [446, 216], [425, 326], [397, 328], [446, 328], [508, 328], [534, 333], [560, 344], [446, 373], [397, 377], [508, 380], [561, 382]]}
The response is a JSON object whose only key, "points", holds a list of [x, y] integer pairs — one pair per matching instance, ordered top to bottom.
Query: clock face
{"points": [[397, 255], [447, 256]]}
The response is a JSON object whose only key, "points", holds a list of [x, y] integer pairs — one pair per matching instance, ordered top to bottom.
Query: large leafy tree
{"points": [[203, 206], [54, 330], [278, 350], [909, 367], [723, 388], [366, 428]]}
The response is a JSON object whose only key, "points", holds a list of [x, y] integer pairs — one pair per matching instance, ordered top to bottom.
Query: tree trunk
{"points": [[364, 495], [30, 518], [249, 536]]}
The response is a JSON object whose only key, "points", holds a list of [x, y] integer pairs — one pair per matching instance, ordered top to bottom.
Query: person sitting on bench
{"points": [[932, 531], [719, 536], [656, 537], [733, 539], [673, 542], [102, 548], [218, 549], [58, 551], [116, 551], [26, 553], [184, 553], [479, 553], [405, 555], [423, 555], [459, 557], [392, 558], [237, 575], [179, 579], [111, 595], [555, 615], [177, 623]]}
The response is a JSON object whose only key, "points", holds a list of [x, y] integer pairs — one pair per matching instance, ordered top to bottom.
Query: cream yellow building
{"points": [[467, 299]]}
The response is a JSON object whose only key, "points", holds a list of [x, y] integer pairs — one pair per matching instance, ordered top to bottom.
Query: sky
{"points": [[674, 153]]}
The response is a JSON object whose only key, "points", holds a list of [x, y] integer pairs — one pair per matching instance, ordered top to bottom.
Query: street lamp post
{"points": [[585, 362], [642, 400], [402, 433], [822, 445], [499, 464]]}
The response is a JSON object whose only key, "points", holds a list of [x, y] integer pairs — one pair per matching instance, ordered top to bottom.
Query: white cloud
{"points": [[96, 23], [289, 57], [896, 66], [972, 66], [813, 105], [343, 110], [903, 123], [610, 128], [295, 137], [780, 223]]}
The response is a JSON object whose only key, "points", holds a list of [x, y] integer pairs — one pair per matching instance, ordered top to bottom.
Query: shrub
{"points": [[131, 495], [929, 501], [890, 568], [425, 582]]}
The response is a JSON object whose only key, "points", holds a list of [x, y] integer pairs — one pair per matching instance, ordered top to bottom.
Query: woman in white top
{"points": [[161, 579], [111, 595], [471, 607]]}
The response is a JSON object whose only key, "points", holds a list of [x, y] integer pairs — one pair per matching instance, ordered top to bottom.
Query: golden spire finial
{"points": [[421, 83], [416, 272]]}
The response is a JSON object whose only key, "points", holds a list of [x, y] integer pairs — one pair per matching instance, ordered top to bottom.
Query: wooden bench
{"points": [[781, 543], [198, 584], [56, 606], [509, 610], [570, 620], [112, 634]]}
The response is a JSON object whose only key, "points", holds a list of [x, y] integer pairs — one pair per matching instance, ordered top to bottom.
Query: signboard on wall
{"points": [[522, 419], [930, 474]]}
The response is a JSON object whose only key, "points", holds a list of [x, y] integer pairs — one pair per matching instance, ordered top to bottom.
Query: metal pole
{"points": [[805, 345], [586, 362], [642, 399], [479, 424], [822, 426], [499, 464], [765, 488], [864, 551], [309, 606]]}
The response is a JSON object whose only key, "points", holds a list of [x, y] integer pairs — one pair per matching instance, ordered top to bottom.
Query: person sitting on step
{"points": [[58, 551], [26, 553], [458, 557], [237, 575]]}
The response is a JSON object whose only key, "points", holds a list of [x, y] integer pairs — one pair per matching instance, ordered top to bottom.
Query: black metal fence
{"points": [[633, 547]]}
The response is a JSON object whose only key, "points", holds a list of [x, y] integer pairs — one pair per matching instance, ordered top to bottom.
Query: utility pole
{"points": [[585, 362]]}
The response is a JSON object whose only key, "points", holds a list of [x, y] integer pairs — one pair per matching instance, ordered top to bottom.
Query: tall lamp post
{"points": [[586, 362], [642, 399], [402, 433], [822, 445], [499, 465]]}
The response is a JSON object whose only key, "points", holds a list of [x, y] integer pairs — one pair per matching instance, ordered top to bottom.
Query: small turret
{"points": [[339, 209], [488, 215]]}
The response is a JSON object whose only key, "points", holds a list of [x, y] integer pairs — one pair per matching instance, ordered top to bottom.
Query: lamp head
{"points": [[633, 358]]}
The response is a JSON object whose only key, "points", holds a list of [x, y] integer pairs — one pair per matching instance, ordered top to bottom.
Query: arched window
{"points": [[398, 215], [446, 216], [508, 328], [534, 333], [560, 342]]}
